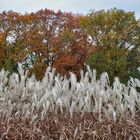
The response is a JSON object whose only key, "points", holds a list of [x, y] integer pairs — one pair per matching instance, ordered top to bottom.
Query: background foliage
{"points": [[105, 40]]}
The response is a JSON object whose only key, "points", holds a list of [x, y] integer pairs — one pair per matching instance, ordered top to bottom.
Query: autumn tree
{"points": [[113, 34], [50, 37], [42, 39], [66, 41], [12, 48], [74, 50]]}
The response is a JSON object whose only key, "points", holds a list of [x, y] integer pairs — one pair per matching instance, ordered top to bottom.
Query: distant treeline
{"points": [[105, 40]]}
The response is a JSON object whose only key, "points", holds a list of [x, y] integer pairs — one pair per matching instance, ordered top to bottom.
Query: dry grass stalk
{"points": [[30, 109]]}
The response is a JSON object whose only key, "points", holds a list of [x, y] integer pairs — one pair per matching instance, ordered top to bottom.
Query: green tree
{"points": [[113, 34]]}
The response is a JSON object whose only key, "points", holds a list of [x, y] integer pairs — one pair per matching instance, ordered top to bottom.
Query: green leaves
{"points": [[111, 27], [114, 33], [109, 40], [110, 61]]}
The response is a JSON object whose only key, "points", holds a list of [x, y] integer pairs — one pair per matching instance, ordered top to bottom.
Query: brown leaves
{"points": [[50, 35], [58, 37], [73, 61], [78, 128]]}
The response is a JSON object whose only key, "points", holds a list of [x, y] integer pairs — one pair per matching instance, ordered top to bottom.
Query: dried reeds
{"points": [[60, 108]]}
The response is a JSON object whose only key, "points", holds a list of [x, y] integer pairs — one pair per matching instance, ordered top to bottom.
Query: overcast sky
{"points": [[76, 6]]}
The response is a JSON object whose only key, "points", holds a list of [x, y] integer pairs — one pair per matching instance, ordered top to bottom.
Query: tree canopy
{"points": [[113, 34], [106, 40]]}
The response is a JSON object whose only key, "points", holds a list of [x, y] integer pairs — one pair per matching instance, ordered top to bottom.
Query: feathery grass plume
{"points": [[55, 95]]}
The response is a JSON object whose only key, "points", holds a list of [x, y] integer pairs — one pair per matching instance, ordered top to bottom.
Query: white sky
{"points": [[80, 6]]}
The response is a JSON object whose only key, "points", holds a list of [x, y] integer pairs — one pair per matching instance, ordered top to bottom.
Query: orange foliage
{"points": [[55, 38], [71, 62]]}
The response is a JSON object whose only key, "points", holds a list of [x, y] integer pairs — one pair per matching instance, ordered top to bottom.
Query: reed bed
{"points": [[61, 108]]}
